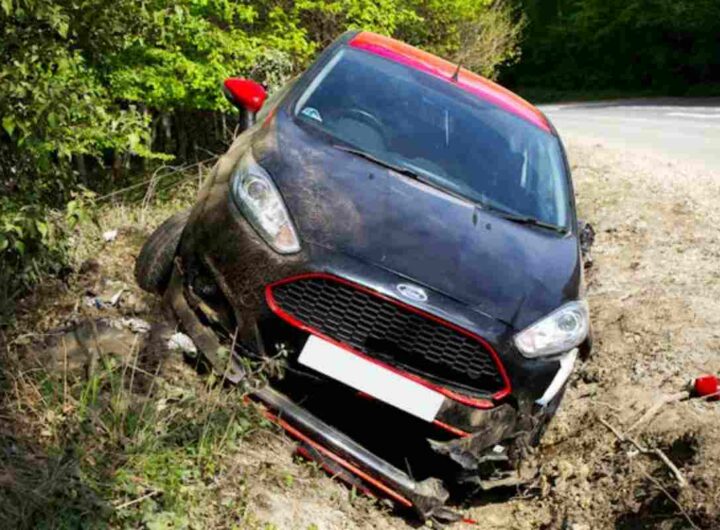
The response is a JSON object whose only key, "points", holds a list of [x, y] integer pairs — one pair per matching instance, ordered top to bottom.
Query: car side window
{"points": [[274, 99]]}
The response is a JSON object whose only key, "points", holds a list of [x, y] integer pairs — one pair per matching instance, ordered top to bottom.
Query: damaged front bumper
{"points": [[221, 291], [487, 443], [427, 497]]}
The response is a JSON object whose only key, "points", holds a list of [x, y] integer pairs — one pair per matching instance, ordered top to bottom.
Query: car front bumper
{"points": [[222, 286]]}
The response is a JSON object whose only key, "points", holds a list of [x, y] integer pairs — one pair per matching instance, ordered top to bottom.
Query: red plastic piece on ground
{"points": [[706, 385], [333, 473], [375, 483]]}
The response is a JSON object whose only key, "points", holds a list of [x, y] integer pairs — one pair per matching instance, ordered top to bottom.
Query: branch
{"points": [[652, 411], [644, 450], [672, 499]]}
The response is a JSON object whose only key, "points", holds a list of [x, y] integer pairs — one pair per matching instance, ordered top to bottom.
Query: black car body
{"points": [[416, 221]]}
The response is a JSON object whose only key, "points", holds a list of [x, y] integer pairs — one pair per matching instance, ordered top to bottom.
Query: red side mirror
{"points": [[245, 94]]}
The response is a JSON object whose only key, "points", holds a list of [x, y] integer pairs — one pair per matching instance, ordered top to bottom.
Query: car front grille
{"points": [[388, 331]]}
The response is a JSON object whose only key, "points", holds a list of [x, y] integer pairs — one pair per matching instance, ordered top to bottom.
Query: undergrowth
{"points": [[135, 438], [121, 447]]}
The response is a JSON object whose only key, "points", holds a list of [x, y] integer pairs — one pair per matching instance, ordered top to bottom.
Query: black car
{"points": [[399, 235]]}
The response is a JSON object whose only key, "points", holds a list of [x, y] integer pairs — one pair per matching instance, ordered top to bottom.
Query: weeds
{"points": [[126, 436], [126, 439], [122, 446]]}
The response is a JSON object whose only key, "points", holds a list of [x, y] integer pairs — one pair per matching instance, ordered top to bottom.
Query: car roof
{"points": [[481, 87]]}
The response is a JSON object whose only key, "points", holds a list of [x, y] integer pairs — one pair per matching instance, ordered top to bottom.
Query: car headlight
{"points": [[259, 200], [560, 331]]}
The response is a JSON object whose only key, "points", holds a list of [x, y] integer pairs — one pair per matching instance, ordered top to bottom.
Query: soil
{"points": [[654, 292]]}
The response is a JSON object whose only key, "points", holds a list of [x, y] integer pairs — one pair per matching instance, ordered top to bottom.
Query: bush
{"points": [[481, 34], [663, 46], [93, 90]]}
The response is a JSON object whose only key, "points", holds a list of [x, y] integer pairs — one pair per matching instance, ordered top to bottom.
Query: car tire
{"points": [[154, 263]]}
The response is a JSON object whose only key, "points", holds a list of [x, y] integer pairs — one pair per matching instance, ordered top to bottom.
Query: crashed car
{"points": [[399, 235]]}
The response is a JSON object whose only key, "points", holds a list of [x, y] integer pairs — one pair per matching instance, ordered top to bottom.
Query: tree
{"points": [[481, 34], [667, 46], [89, 86]]}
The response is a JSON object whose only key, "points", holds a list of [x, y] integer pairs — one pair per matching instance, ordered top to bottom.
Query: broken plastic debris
{"points": [[110, 235], [116, 297], [94, 301], [104, 302], [136, 325], [181, 342], [706, 385]]}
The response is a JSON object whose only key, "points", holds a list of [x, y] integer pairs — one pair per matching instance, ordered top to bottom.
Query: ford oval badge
{"points": [[412, 292]]}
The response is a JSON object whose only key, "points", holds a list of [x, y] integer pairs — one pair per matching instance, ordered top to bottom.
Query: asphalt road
{"points": [[678, 128]]}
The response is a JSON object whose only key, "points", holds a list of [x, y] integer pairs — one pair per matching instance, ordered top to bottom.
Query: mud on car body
{"points": [[401, 234]]}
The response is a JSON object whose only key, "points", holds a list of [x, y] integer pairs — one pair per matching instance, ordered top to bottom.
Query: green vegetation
{"points": [[631, 47], [95, 93], [119, 433], [120, 448]]}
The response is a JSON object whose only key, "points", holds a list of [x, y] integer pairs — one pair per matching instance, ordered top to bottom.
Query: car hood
{"points": [[511, 272]]}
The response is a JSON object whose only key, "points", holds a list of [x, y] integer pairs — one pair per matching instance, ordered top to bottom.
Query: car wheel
{"points": [[154, 263]]}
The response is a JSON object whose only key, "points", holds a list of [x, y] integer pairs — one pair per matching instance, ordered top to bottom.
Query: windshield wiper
{"points": [[369, 156], [415, 175], [483, 205], [520, 219]]}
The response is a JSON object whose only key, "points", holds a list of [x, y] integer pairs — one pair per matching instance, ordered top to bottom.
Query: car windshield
{"points": [[448, 137]]}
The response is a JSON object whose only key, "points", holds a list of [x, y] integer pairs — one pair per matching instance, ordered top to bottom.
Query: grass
{"points": [[134, 439], [121, 448]]}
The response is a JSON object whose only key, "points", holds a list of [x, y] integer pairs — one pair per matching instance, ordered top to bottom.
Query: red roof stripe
{"points": [[421, 60]]}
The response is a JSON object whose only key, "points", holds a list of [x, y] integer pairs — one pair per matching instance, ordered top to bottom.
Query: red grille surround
{"points": [[449, 393]]}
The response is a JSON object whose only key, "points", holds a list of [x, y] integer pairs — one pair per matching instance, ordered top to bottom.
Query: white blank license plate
{"points": [[368, 377]]}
